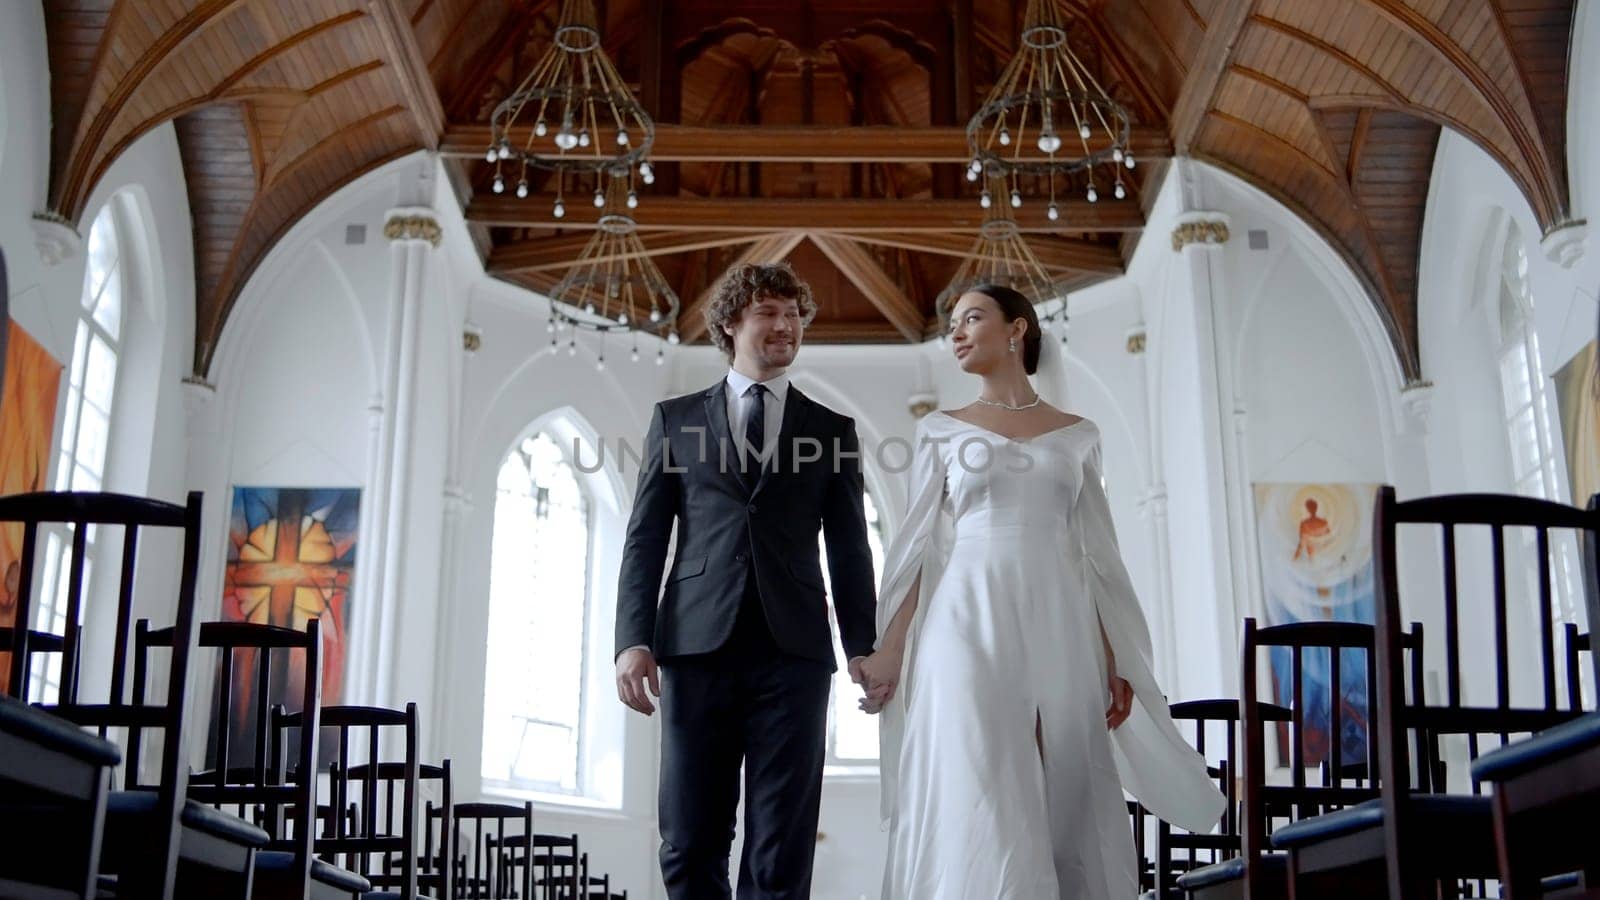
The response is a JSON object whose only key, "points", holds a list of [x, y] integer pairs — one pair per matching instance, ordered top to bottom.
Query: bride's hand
{"points": [[879, 677], [1121, 701]]}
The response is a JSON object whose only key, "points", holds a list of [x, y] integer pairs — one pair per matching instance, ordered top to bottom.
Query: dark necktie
{"points": [[755, 435]]}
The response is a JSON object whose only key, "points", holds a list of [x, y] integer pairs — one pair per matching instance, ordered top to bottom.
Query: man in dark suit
{"points": [[749, 470]]}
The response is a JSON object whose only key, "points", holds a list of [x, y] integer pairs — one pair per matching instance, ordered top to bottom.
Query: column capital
{"points": [[409, 224], [1200, 228], [55, 239], [1564, 243], [1135, 340], [1417, 400]]}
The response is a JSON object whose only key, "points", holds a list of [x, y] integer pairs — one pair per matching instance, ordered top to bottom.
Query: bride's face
{"points": [[979, 334]]}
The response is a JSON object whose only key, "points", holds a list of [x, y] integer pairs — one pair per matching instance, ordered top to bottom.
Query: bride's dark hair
{"points": [[1013, 306]]}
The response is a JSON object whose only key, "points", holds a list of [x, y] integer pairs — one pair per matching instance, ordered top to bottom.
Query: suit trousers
{"points": [[746, 702]]}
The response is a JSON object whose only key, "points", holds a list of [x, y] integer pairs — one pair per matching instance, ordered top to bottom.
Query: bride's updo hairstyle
{"points": [[1013, 306]]}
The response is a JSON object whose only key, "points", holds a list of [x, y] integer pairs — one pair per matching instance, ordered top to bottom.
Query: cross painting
{"points": [[28, 388], [1315, 544], [291, 555]]}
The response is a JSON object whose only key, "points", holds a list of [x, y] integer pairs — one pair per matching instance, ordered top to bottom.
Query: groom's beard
{"points": [[777, 355]]}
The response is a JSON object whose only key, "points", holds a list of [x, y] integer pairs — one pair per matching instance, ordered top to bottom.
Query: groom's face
{"points": [[767, 333]]}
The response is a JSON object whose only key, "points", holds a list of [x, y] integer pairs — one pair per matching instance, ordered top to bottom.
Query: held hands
{"points": [[635, 668], [879, 676], [1121, 700]]}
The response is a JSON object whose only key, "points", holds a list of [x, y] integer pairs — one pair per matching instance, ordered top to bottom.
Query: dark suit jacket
{"points": [[722, 526]]}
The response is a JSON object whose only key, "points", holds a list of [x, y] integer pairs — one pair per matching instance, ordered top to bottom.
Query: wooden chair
{"points": [[1576, 645], [249, 782], [53, 784], [151, 829], [1416, 837], [376, 841], [1177, 851], [488, 863], [559, 866], [1255, 872], [434, 877]]}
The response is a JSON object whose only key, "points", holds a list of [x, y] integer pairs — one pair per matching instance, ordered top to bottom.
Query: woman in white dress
{"points": [[1013, 660]]}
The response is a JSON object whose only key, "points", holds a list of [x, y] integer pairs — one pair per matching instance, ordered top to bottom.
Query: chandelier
{"points": [[1047, 116], [584, 118], [1002, 256], [613, 286]]}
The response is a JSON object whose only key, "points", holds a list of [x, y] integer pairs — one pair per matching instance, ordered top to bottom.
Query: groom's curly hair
{"points": [[742, 285]]}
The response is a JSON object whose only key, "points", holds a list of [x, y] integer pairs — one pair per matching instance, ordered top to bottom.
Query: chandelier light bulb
{"points": [[540, 129], [1083, 130], [622, 137], [1005, 137], [583, 138], [566, 140], [1049, 142], [504, 151], [492, 154], [1116, 154], [1128, 160], [975, 166], [647, 173], [972, 174], [499, 185], [522, 188], [1119, 191], [1092, 194], [599, 198], [1016, 198], [633, 200], [984, 200], [559, 210], [1052, 212], [589, 307], [655, 315], [622, 318], [673, 339], [572, 347], [634, 356], [661, 357], [600, 364]]}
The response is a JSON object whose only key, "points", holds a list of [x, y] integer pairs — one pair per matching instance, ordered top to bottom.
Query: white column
{"points": [[413, 233], [1195, 441]]}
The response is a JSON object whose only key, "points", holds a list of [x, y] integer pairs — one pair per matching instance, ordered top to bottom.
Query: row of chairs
{"points": [[1442, 791], [97, 797]]}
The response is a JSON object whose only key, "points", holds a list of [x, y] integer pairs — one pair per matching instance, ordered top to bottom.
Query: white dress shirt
{"points": [[740, 398]]}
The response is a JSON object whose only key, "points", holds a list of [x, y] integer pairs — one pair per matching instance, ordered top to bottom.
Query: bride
{"points": [[1012, 665]]}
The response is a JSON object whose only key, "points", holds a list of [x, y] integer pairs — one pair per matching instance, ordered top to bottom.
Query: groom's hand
{"points": [[635, 668]]}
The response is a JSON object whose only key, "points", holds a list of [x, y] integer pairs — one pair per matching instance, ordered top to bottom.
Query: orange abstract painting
{"points": [[27, 423]]}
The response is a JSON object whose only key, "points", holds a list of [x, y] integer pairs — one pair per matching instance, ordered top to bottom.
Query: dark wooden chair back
{"points": [[1576, 644], [1342, 649], [1484, 725], [1213, 727], [253, 784], [371, 830], [491, 841], [559, 866], [156, 873], [434, 877]]}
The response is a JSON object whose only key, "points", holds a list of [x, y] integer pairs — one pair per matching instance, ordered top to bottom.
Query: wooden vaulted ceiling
{"points": [[825, 132]]}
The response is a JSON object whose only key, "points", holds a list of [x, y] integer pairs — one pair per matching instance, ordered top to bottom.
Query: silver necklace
{"points": [[1009, 406]]}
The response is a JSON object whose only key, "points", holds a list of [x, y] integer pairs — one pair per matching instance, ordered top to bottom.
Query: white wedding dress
{"points": [[1014, 544]]}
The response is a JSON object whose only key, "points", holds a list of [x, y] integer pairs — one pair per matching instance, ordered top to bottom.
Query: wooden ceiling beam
{"points": [[411, 70], [1206, 73], [797, 143], [755, 215], [769, 248], [559, 252], [1052, 252], [881, 290]]}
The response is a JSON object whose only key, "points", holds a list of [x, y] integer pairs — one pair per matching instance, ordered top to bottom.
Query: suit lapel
{"points": [[795, 408], [721, 451]]}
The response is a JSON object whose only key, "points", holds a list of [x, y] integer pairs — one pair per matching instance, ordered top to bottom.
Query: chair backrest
{"points": [[83, 511], [1576, 644], [251, 659], [1318, 713], [1455, 713], [487, 838], [377, 840], [1177, 851], [559, 866], [434, 878]]}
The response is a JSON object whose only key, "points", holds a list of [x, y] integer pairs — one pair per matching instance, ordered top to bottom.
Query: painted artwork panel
{"points": [[1578, 396], [27, 424], [1315, 544], [291, 558]]}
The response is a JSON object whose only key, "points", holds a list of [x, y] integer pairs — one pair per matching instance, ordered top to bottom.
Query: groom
{"points": [[749, 470]]}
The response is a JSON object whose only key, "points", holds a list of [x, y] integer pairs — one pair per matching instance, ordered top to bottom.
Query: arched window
{"points": [[1522, 390], [85, 422], [535, 690], [852, 734]]}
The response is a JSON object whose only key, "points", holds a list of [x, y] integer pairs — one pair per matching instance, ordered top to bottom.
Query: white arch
{"points": [[567, 426]]}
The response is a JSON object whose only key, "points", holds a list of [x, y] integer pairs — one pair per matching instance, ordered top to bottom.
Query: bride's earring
{"points": [[1013, 346]]}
